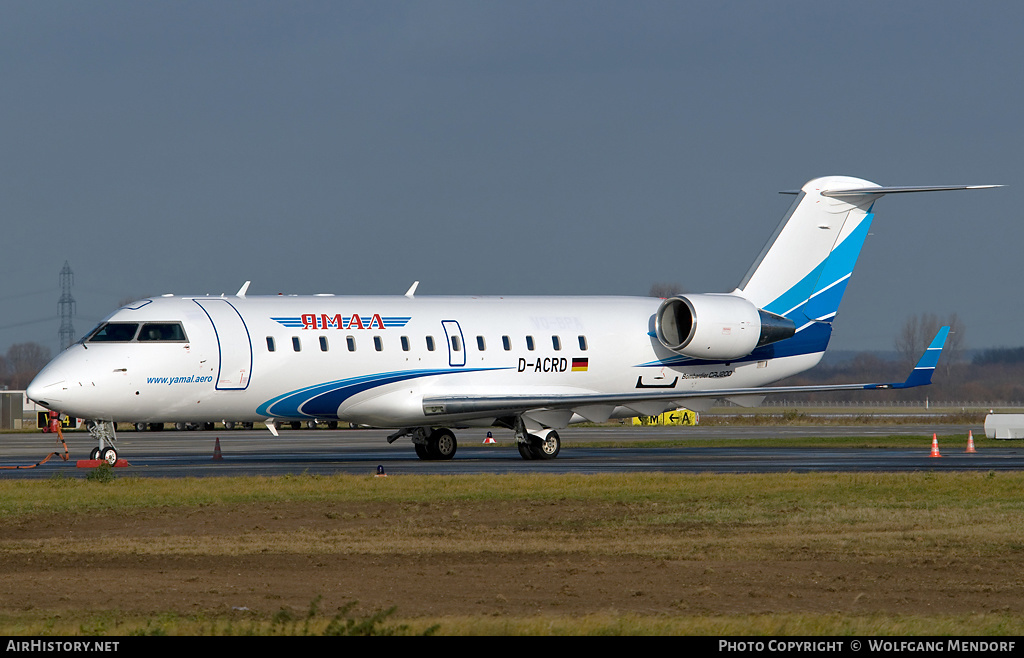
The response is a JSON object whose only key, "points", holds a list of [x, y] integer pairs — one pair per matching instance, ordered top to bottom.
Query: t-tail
{"points": [[803, 271], [786, 303]]}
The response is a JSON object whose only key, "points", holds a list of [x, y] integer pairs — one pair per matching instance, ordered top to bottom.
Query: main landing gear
{"points": [[430, 444], [440, 444], [542, 445]]}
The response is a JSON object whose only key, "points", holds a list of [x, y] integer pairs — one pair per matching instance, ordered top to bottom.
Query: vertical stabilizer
{"points": [[803, 271]]}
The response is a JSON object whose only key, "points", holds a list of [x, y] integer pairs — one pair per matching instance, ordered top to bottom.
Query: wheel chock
{"points": [[96, 463]]}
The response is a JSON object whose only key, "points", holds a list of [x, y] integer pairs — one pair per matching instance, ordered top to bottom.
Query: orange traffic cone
{"points": [[489, 439], [970, 441], [935, 446], [216, 450]]}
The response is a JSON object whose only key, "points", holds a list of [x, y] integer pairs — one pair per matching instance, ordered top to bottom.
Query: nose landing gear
{"points": [[103, 431]]}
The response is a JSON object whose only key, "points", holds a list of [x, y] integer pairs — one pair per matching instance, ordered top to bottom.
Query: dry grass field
{"points": [[643, 553]]}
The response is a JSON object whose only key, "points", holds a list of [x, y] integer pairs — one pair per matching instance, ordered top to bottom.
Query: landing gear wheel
{"points": [[141, 427], [442, 444], [547, 448], [524, 450], [421, 451], [94, 454], [109, 455]]}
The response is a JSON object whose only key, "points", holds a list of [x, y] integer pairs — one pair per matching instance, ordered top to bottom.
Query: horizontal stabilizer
{"points": [[880, 190]]}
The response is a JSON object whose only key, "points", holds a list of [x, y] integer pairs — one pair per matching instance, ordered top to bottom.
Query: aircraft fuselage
{"points": [[372, 360]]}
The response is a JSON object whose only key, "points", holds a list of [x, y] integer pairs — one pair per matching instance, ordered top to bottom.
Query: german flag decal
{"points": [[580, 363]]}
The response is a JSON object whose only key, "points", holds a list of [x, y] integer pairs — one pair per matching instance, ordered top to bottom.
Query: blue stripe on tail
{"points": [[818, 294]]}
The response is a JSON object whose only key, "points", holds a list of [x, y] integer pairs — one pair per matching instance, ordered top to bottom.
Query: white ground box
{"points": [[1004, 426]]}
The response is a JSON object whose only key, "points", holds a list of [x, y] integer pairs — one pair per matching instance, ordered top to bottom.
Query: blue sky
{"points": [[502, 148]]}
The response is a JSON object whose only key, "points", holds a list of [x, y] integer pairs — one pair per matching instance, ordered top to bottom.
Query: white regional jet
{"points": [[531, 364]]}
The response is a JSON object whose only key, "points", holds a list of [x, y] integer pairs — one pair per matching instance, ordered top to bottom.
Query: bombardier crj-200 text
{"points": [[422, 365]]}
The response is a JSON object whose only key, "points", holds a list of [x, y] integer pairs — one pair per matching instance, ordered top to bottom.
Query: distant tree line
{"points": [[999, 356], [21, 363], [992, 375]]}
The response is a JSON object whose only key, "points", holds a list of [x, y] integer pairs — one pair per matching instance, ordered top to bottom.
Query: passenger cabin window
{"points": [[114, 332], [167, 332], [351, 342], [506, 342], [323, 343], [378, 343], [405, 343], [430, 343], [529, 343], [556, 343], [583, 343], [270, 344], [295, 344], [456, 344], [480, 344]]}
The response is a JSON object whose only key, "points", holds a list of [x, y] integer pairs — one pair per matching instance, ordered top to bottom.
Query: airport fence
{"points": [[900, 404]]}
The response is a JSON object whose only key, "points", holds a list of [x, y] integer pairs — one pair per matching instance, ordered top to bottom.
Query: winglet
{"points": [[922, 373]]}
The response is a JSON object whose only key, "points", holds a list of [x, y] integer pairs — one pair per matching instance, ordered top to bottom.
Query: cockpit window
{"points": [[114, 332], [124, 332], [168, 332]]}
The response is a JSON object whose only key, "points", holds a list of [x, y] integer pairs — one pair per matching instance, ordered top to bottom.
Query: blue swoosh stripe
{"points": [[835, 268], [323, 400]]}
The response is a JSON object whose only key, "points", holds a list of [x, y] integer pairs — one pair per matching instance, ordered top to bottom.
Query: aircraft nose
{"points": [[48, 387]]}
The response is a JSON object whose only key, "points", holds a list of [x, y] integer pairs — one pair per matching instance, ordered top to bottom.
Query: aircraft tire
{"points": [[141, 427], [442, 444], [547, 448], [524, 450], [422, 451], [94, 454], [109, 455]]}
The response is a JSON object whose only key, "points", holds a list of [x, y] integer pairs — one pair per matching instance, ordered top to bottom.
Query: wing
{"points": [[598, 407]]}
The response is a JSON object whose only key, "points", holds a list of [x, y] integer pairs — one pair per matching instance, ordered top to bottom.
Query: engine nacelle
{"points": [[717, 326]]}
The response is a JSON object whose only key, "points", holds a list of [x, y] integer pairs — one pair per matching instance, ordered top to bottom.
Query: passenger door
{"points": [[233, 344], [456, 345]]}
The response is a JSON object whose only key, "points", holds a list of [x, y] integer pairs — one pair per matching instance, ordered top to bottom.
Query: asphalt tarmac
{"points": [[322, 451]]}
